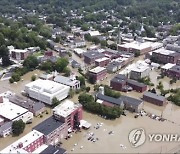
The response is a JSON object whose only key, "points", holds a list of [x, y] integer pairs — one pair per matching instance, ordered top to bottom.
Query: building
{"points": [[94, 33], [79, 43], [142, 47], [173, 47], [79, 52], [19, 54], [91, 56], [165, 56], [102, 62], [178, 62], [114, 66], [139, 70], [171, 70], [97, 74], [68, 81], [118, 82], [122, 83], [137, 86], [46, 90], [154, 98], [128, 103], [35, 107], [12, 112], [70, 113], [5, 129], [53, 130], [27, 144], [53, 150]]}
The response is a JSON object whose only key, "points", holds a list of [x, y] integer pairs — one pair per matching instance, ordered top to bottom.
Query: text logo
{"points": [[137, 137]]}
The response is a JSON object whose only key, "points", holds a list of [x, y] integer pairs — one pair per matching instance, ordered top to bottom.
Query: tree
{"points": [[137, 54], [6, 60], [30, 62], [61, 64], [67, 71], [33, 78], [82, 80], [88, 89], [71, 93], [55, 102], [18, 127]]}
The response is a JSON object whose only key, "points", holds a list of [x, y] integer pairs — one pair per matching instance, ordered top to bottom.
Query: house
{"points": [[94, 33], [79, 43], [79, 52], [19, 54], [91, 56], [165, 56], [102, 62], [75, 64], [114, 66], [171, 70], [97, 74], [68, 81], [118, 82], [122, 83], [137, 86], [46, 90], [154, 98], [128, 103], [35, 107], [70, 113], [6, 129], [53, 130]]}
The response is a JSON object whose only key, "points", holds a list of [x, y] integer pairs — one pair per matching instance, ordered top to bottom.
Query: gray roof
{"points": [[93, 54], [175, 68], [120, 76], [66, 80], [136, 83], [155, 96], [112, 100], [131, 100], [26, 103], [48, 125], [6, 126], [53, 150]]}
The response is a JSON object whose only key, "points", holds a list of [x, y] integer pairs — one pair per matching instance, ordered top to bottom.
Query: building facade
{"points": [[97, 74]]}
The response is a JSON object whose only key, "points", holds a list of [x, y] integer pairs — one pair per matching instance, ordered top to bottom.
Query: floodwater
{"points": [[19, 86], [121, 128]]}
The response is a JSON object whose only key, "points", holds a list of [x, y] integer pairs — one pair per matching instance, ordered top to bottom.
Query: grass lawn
{"points": [[37, 54]]}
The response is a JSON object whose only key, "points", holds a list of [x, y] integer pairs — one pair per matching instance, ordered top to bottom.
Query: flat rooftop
{"points": [[136, 45], [79, 50], [163, 51], [93, 54], [102, 59], [168, 66], [97, 69], [46, 87], [66, 108], [11, 111], [48, 125], [25, 141], [53, 150]]}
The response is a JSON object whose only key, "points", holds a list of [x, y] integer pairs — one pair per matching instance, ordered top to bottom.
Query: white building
{"points": [[46, 90], [13, 112]]}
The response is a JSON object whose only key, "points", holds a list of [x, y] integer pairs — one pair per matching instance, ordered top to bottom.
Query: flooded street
{"points": [[121, 128]]}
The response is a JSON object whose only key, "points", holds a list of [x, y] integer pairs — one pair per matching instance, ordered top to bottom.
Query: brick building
{"points": [[19, 54], [91, 56], [165, 56], [102, 62], [96, 74], [137, 86], [154, 98], [69, 113]]}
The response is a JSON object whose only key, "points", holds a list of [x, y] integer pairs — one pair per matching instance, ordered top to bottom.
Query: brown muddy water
{"points": [[121, 126]]}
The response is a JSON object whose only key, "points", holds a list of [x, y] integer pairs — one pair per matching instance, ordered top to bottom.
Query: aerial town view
{"points": [[89, 76]]}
